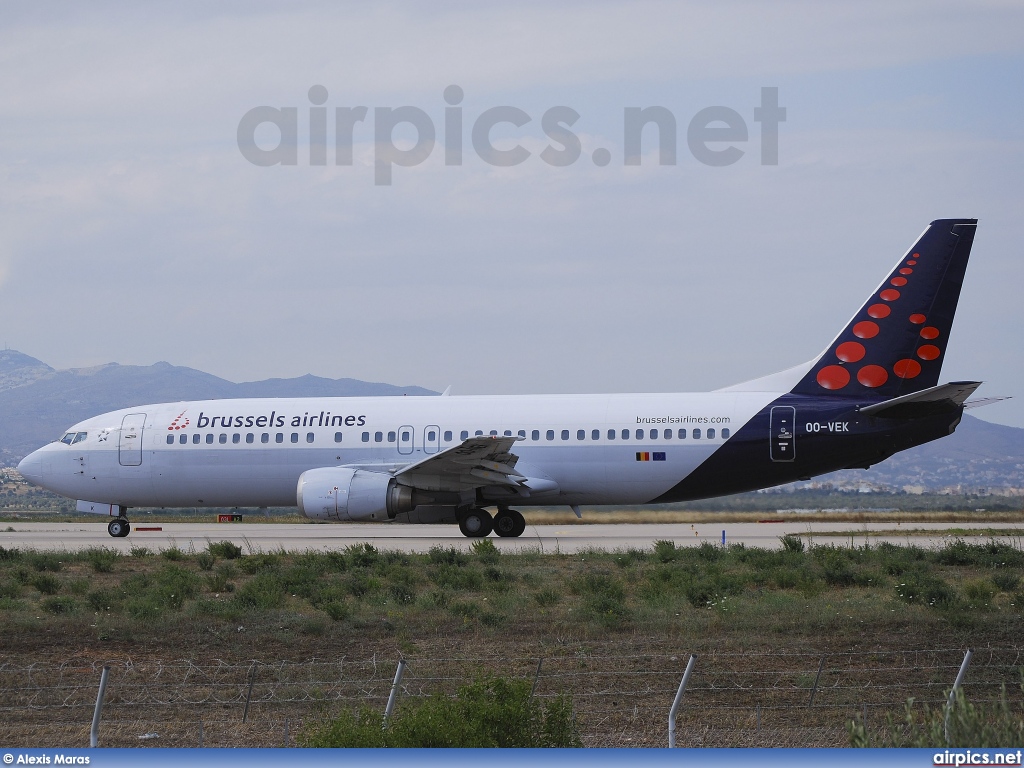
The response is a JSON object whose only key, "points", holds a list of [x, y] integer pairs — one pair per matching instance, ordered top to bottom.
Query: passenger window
{"points": [[478, 433], [494, 433], [508, 433], [522, 433], [711, 433], [725, 433], [464, 434], [535, 434], [565, 434], [581, 434], [595, 434], [611, 434], [625, 434], [639, 434], [654, 434], [668, 434], [682, 434], [696, 434], [431, 435], [447, 435], [550, 435], [406, 436], [250, 437], [265, 437], [279, 437], [295, 437], [310, 437], [337, 437], [366, 437], [378, 437], [391, 437], [196, 438], [223, 438], [236, 438], [183, 439], [209, 439], [170, 440]]}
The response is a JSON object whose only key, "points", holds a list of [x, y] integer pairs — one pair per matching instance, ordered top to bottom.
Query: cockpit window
{"points": [[79, 437], [68, 438]]}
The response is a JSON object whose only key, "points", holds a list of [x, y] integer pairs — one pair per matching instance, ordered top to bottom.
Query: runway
{"points": [[298, 537]]}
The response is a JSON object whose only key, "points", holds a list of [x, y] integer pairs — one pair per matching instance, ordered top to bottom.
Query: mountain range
{"points": [[37, 403]]}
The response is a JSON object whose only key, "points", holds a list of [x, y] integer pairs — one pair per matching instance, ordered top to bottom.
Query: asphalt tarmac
{"points": [[298, 537]]}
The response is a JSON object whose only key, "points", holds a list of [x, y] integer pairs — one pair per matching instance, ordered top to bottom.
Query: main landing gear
{"points": [[478, 523], [119, 527]]}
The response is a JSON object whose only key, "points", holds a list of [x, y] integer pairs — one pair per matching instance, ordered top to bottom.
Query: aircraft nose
{"points": [[31, 468]]}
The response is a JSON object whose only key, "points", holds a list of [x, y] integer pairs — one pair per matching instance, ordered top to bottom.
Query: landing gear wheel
{"points": [[476, 523], [509, 523], [119, 527]]}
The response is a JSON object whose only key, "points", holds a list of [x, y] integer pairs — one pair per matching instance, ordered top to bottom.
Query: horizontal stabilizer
{"points": [[945, 397], [984, 401]]}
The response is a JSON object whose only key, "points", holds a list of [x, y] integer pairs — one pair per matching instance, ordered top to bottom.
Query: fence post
{"points": [[536, 676], [814, 690], [394, 691], [248, 693], [952, 693], [679, 697], [94, 732]]}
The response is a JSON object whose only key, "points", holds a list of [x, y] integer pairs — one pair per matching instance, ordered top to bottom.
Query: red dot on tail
{"points": [[917, 255], [911, 263], [906, 271], [898, 281], [890, 294], [878, 311], [917, 319], [865, 329], [929, 332], [850, 352], [928, 352], [907, 368], [872, 376], [833, 377]]}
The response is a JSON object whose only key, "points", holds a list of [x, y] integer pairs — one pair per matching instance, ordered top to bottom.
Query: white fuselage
{"points": [[597, 449]]}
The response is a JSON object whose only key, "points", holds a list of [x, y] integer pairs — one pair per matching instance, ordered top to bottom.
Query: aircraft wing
{"points": [[924, 403], [474, 463]]}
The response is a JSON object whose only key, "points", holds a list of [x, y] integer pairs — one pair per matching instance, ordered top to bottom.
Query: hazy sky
{"points": [[133, 229]]}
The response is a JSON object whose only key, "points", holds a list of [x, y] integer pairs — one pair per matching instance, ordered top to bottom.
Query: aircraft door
{"points": [[783, 433], [405, 439], [431, 439], [129, 447]]}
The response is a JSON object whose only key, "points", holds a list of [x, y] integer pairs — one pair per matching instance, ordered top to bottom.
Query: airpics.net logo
{"points": [[714, 134], [954, 758]]}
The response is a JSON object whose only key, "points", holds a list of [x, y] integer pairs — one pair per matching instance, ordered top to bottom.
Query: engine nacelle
{"points": [[337, 493]]}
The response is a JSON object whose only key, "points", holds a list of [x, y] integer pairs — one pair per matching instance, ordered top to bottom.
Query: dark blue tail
{"points": [[895, 344]]}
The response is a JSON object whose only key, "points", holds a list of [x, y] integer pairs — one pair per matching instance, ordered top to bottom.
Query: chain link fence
{"points": [[620, 700]]}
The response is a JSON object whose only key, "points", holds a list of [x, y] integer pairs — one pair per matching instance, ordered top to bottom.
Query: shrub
{"points": [[791, 543], [226, 550], [486, 551], [665, 551], [139, 552], [173, 554], [9, 555], [363, 555], [450, 555], [101, 559], [44, 561], [205, 561], [259, 563], [836, 568], [1006, 582], [46, 583], [10, 589], [923, 589], [264, 592], [546, 597], [60, 605], [337, 610], [491, 712], [984, 726]]}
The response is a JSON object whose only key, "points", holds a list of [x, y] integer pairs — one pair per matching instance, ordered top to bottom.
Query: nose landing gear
{"points": [[119, 527]]}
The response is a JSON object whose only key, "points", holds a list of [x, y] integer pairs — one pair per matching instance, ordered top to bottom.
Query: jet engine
{"points": [[337, 493]]}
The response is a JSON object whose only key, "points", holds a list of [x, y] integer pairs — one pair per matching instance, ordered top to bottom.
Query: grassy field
{"points": [[491, 612]]}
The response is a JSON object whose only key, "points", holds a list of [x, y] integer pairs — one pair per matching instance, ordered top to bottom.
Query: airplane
{"points": [[873, 391]]}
